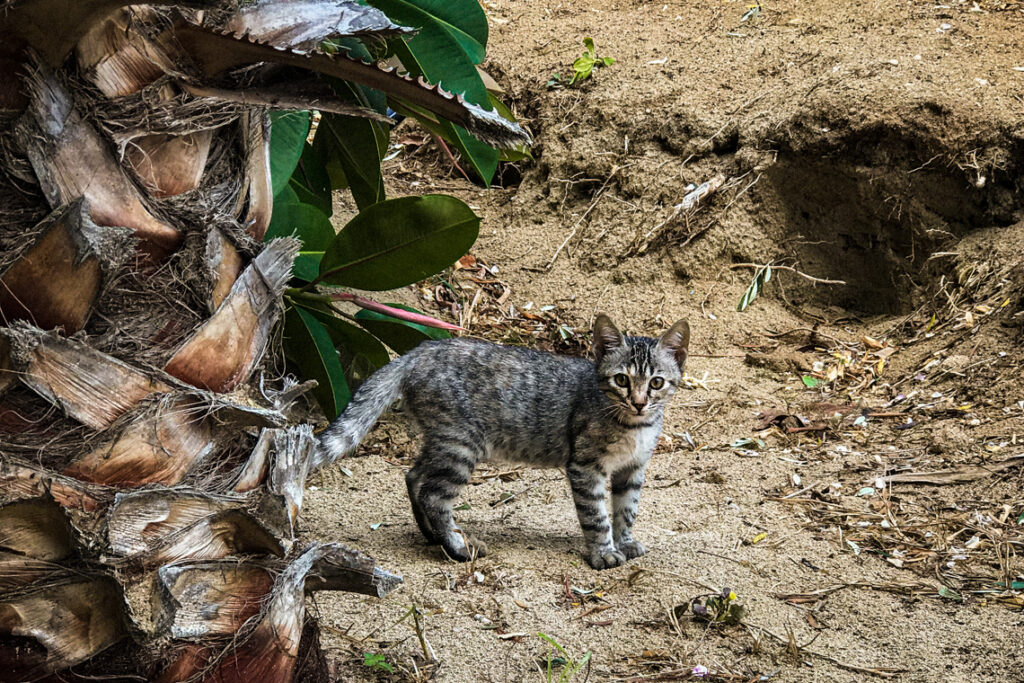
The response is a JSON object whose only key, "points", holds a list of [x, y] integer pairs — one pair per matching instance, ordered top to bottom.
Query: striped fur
{"points": [[477, 402]]}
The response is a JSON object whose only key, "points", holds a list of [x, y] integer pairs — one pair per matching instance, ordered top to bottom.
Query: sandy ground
{"points": [[856, 141]]}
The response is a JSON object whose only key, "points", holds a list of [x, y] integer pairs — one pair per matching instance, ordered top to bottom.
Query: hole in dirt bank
{"points": [[875, 207]]}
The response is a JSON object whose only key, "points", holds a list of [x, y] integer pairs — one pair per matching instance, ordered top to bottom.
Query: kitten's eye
{"points": [[622, 380], [657, 383]]}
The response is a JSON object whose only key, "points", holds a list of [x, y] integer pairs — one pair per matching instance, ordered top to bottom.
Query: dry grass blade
{"points": [[301, 95], [956, 476], [790, 642]]}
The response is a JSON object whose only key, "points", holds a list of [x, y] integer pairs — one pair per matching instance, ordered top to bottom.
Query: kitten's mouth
{"points": [[632, 416]]}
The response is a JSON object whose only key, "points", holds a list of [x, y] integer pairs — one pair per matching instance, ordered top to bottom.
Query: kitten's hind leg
{"points": [[446, 468], [412, 482]]}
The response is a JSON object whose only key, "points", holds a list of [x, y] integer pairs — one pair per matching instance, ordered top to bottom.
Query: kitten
{"points": [[478, 402]]}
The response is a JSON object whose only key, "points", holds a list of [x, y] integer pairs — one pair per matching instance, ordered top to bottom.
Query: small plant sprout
{"points": [[583, 67], [761, 278], [718, 608], [560, 658], [376, 662]]}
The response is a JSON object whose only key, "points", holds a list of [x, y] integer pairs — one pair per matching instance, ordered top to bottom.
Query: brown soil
{"points": [[874, 142]]}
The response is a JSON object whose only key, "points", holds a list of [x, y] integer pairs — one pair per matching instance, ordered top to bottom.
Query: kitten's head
{"points": [[639, 374]]}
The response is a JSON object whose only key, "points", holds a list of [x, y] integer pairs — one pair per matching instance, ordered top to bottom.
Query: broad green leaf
{"points": [[463, 20], [438, 58], [288, 131], [357, 146], [311, 180], [305, 221], [400, 241], [307, 265], [400, 335], [308, 347], [361, 353], [811, 382]]}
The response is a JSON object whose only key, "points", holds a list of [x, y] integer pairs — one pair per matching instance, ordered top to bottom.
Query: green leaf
{"points": [[463, 21], [589, 44], [435, 55], [582, 69], [288, 131], [356, 145], [311, 180], [305, 221], [400, 241], [307, 265], [761, 277], [400, 335], [308, 348], [360, 352], [811, 382], [951, 594]]}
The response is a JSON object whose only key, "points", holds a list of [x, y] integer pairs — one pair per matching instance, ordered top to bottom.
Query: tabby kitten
{"points": [[479, 402]]}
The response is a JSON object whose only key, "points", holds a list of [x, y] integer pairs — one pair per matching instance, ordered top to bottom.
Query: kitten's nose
{"points": [[639, 404]]}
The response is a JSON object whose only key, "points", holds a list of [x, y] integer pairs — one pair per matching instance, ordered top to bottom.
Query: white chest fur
{"points": [[633, 447]]}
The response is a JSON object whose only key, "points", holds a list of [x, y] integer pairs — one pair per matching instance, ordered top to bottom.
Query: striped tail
{"points": [[376, 395]]}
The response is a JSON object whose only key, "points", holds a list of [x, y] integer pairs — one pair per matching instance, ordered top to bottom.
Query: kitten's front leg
{"points": [[626, 485], [588, 492]]}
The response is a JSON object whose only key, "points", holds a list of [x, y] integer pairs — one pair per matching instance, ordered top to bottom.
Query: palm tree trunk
{"points": [[151, 473]]}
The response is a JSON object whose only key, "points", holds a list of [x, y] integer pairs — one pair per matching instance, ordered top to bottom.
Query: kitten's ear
{"points": [[606, 336], [677, 340]]}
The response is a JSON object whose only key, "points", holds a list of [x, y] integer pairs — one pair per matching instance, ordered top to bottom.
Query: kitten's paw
{"points": [[467, 548], [632, 549], [605, 558]]}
